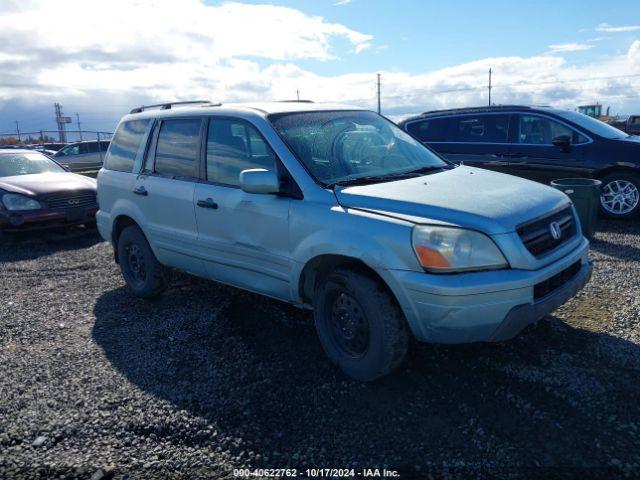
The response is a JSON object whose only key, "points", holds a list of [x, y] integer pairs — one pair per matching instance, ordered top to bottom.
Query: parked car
{"points": [[631, 125], [541, 144], [47, 147], [81, 156], [37, 193], [337, 209]]}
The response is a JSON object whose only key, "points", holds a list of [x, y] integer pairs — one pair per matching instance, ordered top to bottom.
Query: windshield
{"points": [[593, 125], [336, 146], [12, 164]]}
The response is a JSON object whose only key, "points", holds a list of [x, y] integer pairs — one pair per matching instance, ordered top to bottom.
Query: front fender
{"points": [[380, 242]]}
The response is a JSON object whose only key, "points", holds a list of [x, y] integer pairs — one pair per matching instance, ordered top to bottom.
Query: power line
{"points": [[472, 89]]}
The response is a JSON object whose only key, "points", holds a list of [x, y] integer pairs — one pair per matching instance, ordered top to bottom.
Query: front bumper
{"points": [[44, 219], [485, 306]]}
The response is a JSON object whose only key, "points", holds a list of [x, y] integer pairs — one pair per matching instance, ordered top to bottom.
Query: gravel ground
{"points": [[97, 384]]}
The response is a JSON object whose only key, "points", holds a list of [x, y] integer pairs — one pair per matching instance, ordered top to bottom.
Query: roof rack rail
{"points": [[295, 101], [167, 105], [478, 109]]}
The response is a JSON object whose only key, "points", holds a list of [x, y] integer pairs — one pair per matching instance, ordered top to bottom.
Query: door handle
{"points": [[140, 191], [208, 203]]}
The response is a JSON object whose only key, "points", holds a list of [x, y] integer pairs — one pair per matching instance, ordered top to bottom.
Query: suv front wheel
{"points": [[620, 197], [142, 272], [361, 327]]}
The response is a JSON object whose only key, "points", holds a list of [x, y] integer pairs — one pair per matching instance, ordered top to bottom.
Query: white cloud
{"points": [[342, 2], [605, 27], [170, 30], [362, 47], [569, 47], [132, 53], [634, 53]]}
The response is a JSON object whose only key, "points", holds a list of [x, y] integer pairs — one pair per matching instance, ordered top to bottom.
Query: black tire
{"points": [[624, 177], [144, 275], [366, 302]]}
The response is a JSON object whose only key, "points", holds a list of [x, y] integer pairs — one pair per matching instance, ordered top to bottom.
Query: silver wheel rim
{"points": [[619, 197]]}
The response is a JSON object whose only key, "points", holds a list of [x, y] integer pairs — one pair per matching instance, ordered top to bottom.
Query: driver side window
{"points": [[535, 130], [232, 146], [72, 150]]}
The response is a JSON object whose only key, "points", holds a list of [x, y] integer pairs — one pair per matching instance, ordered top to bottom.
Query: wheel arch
{"points": [[625, 168], [119, 224], [322, 264]]}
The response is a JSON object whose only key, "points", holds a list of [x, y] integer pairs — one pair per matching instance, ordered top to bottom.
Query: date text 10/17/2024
{"points": [[316, 473]]}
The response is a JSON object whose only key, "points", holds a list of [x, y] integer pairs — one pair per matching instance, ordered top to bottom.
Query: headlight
{"points": [[13, 201], [444, 249]]}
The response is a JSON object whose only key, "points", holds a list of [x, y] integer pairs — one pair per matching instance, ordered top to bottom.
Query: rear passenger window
{"points": [[481, 128], [435, 130], [125, 145], [233, 146], [89, 147], [178, 148]]}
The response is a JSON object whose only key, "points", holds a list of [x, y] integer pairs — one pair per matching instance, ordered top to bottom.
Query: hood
{"points": [[46, 183], [464, 196]]}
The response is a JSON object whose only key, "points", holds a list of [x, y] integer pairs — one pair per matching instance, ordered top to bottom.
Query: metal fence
{"points": [[43, 137]]}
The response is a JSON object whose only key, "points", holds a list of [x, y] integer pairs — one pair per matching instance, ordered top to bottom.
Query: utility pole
{"points": [[489, 86], [298, 93], [379, 110], [61, 121], [79, 128], [18, 130]]}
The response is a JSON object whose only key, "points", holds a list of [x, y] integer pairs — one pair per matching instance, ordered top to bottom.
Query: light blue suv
{"points": [[337, 209]]}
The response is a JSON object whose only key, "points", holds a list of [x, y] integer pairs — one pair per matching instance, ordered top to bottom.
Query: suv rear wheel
{"points": [[620, 195], [142, 272], [361, 327]]}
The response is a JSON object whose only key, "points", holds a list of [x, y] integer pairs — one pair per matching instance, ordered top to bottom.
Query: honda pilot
{"points": [[336, 209]]}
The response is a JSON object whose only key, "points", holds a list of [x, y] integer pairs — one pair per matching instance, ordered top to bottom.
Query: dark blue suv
{"points": [[540, 144]]}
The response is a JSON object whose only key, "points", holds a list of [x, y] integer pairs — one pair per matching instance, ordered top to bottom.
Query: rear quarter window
{"points": [[125, 145]]}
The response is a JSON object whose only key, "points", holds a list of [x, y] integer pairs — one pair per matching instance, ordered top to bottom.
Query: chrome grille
{"points": [[72, 200], [537, 235]]}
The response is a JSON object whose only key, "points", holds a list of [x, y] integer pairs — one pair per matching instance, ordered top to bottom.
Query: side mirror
{"points": [[563, 142], [259, 180]]}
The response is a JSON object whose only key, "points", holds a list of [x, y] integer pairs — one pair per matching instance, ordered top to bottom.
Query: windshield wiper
{"points": [[432, 168], [388, 178], [372, 179]]}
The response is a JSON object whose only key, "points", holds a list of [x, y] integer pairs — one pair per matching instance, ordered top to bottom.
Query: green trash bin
{"points": [[585, 195]]}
